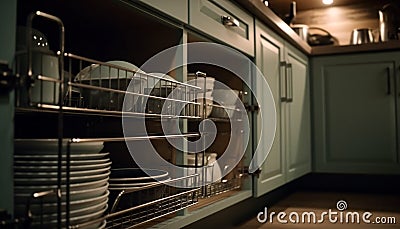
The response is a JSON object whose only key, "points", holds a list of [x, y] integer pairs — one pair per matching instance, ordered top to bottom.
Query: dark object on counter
{"points": [[292, 13], [389, 22], [301, 30], [361, 36], [316, 39]]}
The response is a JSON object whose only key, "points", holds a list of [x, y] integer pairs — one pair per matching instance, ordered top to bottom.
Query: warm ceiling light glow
{"points": [[327, 2]]}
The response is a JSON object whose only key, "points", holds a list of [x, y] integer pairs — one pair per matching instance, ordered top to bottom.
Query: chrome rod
{"points": [[129, 70], [46, 78], [283, 81], [290, 83], [389, 86], [130, 93], [75, 110], [60, 119], [137, 138]]}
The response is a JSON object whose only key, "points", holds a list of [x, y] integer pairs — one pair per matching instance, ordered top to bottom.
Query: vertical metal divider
{"points": [[60, 54], [67, 180]]}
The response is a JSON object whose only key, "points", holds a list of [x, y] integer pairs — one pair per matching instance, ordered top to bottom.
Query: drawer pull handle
{"points": [[229, 21], [389, 86]]}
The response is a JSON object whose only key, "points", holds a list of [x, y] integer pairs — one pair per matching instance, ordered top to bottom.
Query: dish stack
{"points": [[205, 95], [35, 171], [133, 181]]}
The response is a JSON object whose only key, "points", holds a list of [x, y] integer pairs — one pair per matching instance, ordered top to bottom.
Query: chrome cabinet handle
{"points": [[229, 21], [283, 82], [290, 83], [389, 86]]}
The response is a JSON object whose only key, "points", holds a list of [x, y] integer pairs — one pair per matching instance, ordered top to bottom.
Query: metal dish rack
{"points": [[71, 94], [166, 199]]}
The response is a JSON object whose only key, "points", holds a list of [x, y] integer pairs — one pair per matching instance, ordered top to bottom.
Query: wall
{"points": [[341, 20]]}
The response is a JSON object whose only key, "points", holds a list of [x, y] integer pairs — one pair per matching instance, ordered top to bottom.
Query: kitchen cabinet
{"points": [[177, 9], [224, 21], [7, 49], [269, 56], [286, 71], [355, 110], [297, 115], [98, 119]]}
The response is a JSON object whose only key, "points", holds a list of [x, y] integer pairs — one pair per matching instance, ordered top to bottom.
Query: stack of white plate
{"points": [[202, 82], [35, 170]]}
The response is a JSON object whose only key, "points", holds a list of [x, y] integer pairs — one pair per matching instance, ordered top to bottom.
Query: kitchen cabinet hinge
{"points": [[7, 78], [252, 108]]}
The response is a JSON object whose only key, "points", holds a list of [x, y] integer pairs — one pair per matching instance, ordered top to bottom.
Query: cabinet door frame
{"points": [[177, 9], [265, 38], [297, 140], [321, 158]]}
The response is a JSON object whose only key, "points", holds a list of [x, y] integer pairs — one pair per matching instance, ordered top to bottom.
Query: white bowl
{"points": [[116, 75]]}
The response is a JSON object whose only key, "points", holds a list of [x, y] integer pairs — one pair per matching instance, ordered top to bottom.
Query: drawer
{"points": [[177, 9], [224, 21]]}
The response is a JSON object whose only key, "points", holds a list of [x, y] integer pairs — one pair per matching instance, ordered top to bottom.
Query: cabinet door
{"points": [[176, 8], [224, 21], [269, 54], [297, 115], [355, 130]]}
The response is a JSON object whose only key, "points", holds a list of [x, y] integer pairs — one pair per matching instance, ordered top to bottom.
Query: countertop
{"points": [[267, 16]]}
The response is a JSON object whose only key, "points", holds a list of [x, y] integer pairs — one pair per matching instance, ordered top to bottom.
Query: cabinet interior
{"points": [[119, 30]]}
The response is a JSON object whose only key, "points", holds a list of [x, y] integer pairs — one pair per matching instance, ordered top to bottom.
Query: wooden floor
{"points": [[306, 201]]}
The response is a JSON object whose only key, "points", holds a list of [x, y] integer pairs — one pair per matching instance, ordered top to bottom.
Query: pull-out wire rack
{"points": [[82, 85]]}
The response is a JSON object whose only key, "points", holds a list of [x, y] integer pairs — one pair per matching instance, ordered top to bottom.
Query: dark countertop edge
{"points": [[267, 16], [372, 47]]}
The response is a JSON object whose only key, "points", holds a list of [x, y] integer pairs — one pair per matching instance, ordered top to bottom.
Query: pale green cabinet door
{"points": [[176, 8], [225, 21], [269, 54], [355, 114], [297, 116]]}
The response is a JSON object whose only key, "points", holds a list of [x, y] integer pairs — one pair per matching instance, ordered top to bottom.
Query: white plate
{"points": [[95, 71], [50, 146], [38, 157], [38, 163], [73, 167], [44, 174], [132, 175], [52, 181], [73, 187], [21, 198], [52, 207], [87, 210], [73, 220]]}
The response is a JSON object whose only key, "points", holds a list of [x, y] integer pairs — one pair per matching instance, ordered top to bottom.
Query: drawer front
{"points": [[177, 9], [224, 21]]}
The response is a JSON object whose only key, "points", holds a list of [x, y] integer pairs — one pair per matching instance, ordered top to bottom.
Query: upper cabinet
{"points": [[177, 9], [225, 21], [355, 100]]}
